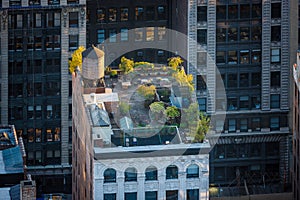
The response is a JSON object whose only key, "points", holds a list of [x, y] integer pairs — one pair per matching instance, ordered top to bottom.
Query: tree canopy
{"points": [[76, 59], [175, 62], [126, 65], [147, 91], [157, 107], [172, 112]]}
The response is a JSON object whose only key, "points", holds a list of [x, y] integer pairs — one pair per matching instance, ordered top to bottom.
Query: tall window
{"points": [[276, 10], [161, 12], [139, 13], [150, 13], [201, 13], [112, 14], [124, 14], [101, 15], [56, 19], [73, 19], [38, 20], [19, 21], [161, 32], [275, 33], [124, 34], [138, 34], [150, 34], [100, 35], [112, 35], [202, 36], [73, 42], [256, 54], [275, 56], [244, 57], [275, 79], [275, 100], [244, 102], [274, 123], [231, 125], [243, 125], [38, 135], [192, 171], [172, 172], [151, 173], [130, 174], [109, 175], [192, 194], [172, 195]]}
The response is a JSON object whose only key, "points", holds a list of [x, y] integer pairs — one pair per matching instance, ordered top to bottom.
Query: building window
{"points": [[72, 1], [14, 2], [53, 2], [256, 10], [276, 10], [244, 11], [161, 12], [221, 12], [232, 12], [139, 13], [150, 13], [201, 13], [112, 14], [124, 14], [101, 15], [56, 19], [73, 19], [38, 20], [19, 21], [161, 32], [244, 33], [256, 33], [275, 33], [124, 34], [138, 34], [150, 34], [232, 34], [112, 35], [221, 35], [101, 36], [202, 36], [38, 42], [56, 42], [73, 42], [19, 43], [256, 54], [275, 55], [232, 57], [244, 57], [221, 59], [255, 79], [275, 79], [232, 80], [244, 80], [52, 88], [275, 100], [244, 102], [255, 102], [232, 103], [30, 112], [38, 112], [49, 113], [274, 123], [255, 124], [231, 125], [243, 125], [30, 134], [57, 134], [38, 135], [49, 135], [38, 157], [192, 171], [172, 172], [130, 174], [151, 174], [109, 176], [192, 194], [151, 195], [172, 195], [110, 196], [130, 196]]}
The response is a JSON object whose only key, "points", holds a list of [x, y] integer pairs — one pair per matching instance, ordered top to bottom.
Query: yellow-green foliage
{"points": [[76, 59], [175, 62], [126, 65], [144, 65], [113, 72], [183, 79], [146, 91], [124, 107], [157, 107], [172, 112]]}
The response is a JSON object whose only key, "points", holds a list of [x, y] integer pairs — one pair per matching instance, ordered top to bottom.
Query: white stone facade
{"points": [[161, 185]]}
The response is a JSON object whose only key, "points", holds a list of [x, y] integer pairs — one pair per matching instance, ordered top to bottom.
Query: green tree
{"points": [[76, 59], [175, 62], [126, 65], [183, 79], [157, 107], [172, 112], [202, 128]]}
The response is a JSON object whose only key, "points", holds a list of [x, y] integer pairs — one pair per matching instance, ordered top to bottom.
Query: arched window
{"points": [[192, 171], [172, 172], [151, 173], [131, 174], [109, 175]]}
